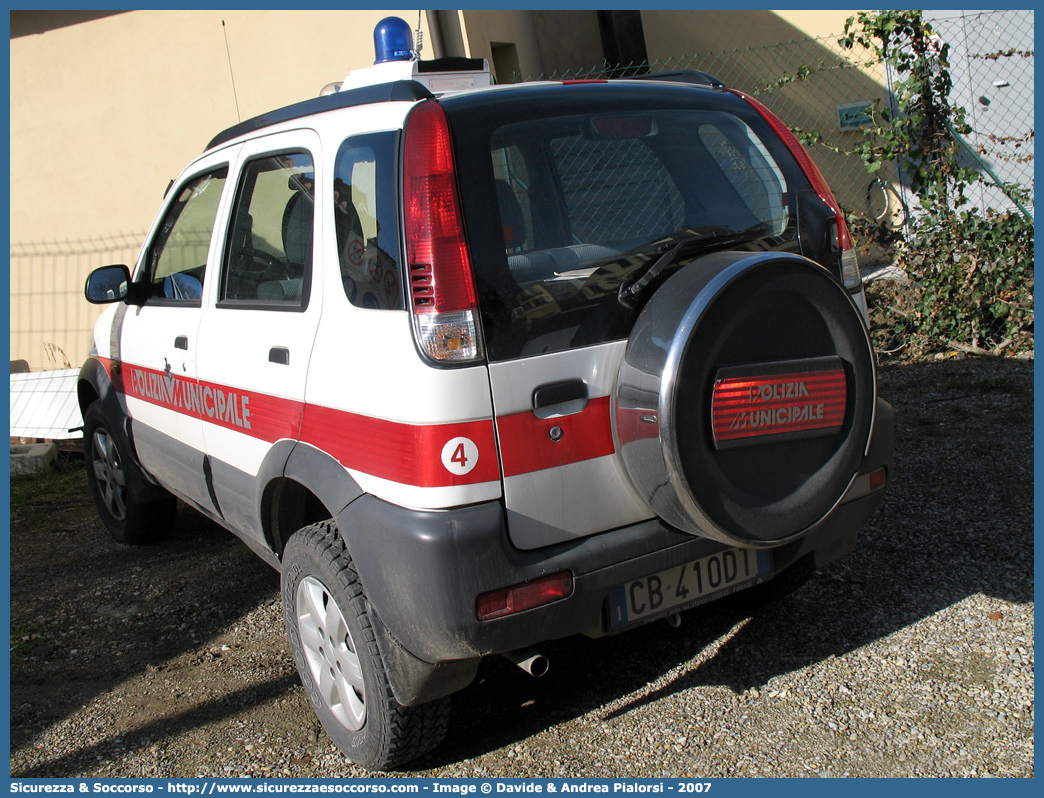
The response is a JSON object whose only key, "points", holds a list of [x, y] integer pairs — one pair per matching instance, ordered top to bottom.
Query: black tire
{"points": [[119, 488], [332, 638]]}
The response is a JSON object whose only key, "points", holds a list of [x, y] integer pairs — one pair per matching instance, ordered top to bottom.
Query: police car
{"points": [[477, 367]]}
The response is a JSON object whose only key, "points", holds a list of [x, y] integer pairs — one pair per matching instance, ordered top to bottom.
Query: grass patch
{"points": [[60, 478], [24, 638]]}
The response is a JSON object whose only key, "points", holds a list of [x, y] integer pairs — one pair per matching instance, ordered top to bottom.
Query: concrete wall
{"points": [[487, 30], [671, 34], [545, 42], [753, 50], [105, 112]]}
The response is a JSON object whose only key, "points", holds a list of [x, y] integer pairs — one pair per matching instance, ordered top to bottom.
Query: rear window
{"points": [[583, 200]]}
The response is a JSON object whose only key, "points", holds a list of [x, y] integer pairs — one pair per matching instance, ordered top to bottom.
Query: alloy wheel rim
{"points": [[109, 474], [330, 653]]}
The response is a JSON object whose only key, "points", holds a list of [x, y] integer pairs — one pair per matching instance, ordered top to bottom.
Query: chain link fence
{"points": [[991, 64], [812, 85], [823, 90], [50, 319]]}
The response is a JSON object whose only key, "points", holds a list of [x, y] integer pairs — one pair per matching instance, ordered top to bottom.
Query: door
{"points": [[598, 200], [157, 340], [255, 343], [562, 478]]}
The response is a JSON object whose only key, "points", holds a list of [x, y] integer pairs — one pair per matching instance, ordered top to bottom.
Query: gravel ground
{"points": [[913, 657]]}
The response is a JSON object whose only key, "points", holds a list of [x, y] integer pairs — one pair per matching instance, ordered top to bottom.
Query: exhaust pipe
{"points": [[528, 660]]}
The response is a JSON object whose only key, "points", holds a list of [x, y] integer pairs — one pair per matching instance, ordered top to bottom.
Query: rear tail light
{"points": [[841, 238], [850, 273], [441, 289], [510, 600]]}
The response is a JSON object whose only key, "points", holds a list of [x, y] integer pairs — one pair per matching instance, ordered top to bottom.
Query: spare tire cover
{"points": [[745, 400]]}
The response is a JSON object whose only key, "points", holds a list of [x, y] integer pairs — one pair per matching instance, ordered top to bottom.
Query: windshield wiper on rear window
{"points": [[692, 240]]}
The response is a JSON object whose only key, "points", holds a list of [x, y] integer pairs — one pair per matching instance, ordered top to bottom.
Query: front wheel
{"points": [[117, 486], [334, 646]]}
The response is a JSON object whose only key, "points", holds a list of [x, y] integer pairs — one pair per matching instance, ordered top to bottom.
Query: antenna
{"points": [[418, 39], [239, 116]]}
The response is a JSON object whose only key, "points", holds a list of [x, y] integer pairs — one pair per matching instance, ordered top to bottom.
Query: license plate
{"points": [[689, 584]]}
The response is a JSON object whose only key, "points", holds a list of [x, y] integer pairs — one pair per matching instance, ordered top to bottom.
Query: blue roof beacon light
{"points": [[393, 40], [398, 59]]}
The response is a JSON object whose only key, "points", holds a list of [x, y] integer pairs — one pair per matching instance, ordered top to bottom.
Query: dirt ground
{"points": [[171, 660]]}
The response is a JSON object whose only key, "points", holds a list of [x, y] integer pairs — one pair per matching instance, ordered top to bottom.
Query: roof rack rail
{"points": [[694, 76], [397, 91]]}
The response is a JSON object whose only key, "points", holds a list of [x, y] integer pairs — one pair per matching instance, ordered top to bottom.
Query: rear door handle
{"points": [[181, 342], [280, 355], [560, 398]]}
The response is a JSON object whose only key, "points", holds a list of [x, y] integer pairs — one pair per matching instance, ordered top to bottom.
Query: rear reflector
{"points": [[850, 273], [786, 403], [878, 479], [511, 600]]}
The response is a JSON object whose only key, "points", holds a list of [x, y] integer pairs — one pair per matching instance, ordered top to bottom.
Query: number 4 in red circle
{"points": [[460, 456]]}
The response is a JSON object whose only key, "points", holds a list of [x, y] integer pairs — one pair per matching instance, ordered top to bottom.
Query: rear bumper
{"points": [[423, 571]]}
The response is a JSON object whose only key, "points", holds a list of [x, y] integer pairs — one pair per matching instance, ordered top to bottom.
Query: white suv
{"points": [[478, 367]]}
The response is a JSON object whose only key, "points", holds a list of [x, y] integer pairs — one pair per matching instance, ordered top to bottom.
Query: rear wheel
{"points": [[117, 484], [332, 638]]}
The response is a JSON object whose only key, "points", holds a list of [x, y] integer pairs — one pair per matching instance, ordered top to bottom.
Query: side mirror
{"points": [[108, 284]]}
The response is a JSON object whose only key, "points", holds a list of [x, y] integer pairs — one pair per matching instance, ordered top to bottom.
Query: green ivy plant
{"points": [[916, 133], [972, 271], [974, 275]]}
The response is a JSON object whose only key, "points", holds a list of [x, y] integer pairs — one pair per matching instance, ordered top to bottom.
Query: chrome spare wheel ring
{"points": [[745, 401], [109, 474], [331, 654]]}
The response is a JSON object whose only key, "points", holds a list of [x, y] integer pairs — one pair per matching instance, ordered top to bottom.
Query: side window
{"points": [[366, 221], [269, 252], [177, 256]]}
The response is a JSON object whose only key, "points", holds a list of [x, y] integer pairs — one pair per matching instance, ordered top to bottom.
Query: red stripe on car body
{"points": [[527, 443], [410, 454]]}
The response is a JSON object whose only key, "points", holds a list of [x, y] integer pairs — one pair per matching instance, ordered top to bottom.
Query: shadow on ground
{"points": [[88, 614]]}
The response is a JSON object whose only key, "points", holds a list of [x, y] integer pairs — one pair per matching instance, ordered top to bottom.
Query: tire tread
{"points": [[146, 521], [407, 732]]}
